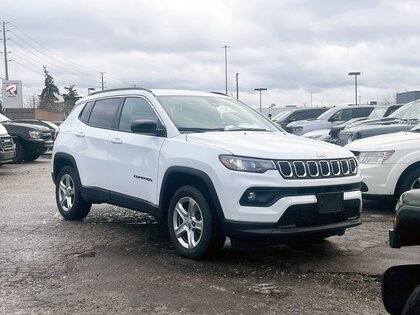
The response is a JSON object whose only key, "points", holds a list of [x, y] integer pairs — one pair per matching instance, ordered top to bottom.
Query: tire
{"points": [[20, 153], [31, 156], [410, 181], [68, 197], [190, 212]]}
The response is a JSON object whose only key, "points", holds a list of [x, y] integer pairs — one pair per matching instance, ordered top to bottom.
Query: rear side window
{"points": [[135, 108], [361, 112], [104, 113], [84, 115]]}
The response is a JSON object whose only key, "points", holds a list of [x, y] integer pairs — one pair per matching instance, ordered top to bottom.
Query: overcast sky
{"points": [[291, 47]]}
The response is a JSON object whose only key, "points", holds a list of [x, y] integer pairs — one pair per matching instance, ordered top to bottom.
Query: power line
{"points": [[87, 69]]}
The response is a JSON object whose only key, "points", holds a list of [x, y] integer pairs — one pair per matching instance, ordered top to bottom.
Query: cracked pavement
{"points": [[122, 262]]}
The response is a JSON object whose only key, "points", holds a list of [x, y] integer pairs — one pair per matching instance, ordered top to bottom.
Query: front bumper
{"points": [[7, 156], [378, 180], [250, 230]]}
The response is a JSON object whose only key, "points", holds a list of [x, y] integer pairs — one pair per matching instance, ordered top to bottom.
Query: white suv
{"points": [[206, 164]]}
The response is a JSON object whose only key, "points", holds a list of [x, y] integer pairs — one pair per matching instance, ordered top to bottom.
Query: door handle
{"points": [[80, 134], [116, 140]]}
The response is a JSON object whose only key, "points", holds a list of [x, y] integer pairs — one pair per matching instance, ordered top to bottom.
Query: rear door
{"points": [[91, 136], [134, 157]]}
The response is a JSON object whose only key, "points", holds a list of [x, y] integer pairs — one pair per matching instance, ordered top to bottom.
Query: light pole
{"points": [[225, 48], [355, 84], [237, 86], [260, 89]]}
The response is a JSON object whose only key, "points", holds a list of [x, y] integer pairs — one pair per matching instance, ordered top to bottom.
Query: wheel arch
{"points": [[61, 160], [404, 174], [177, 176]]}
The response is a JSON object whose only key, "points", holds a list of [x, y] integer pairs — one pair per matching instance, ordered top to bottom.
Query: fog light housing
{"points": [[252, 196]]}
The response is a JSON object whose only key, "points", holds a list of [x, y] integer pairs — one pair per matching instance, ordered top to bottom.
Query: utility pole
{"points": [[6, 66], [226, 71], [102, 80], [237, 86], [311, 98]]}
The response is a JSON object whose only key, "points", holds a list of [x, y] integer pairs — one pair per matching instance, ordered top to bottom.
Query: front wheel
{"points": [[410, 181], [68, 197], [192, 226]]}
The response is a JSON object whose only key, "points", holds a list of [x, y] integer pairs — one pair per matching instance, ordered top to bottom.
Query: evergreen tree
{"points": [[50, 92], [70, 98], [2, 110]]}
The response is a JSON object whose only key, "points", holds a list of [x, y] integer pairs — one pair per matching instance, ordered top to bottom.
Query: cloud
{"points": [[292, 47]]}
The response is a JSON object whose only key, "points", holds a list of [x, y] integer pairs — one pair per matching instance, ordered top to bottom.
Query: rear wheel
{"points": [[68, 197], [192, 226]]}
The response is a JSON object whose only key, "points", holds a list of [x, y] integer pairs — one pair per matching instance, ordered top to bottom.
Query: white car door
{"points": [[91, 142], [134, 157]]}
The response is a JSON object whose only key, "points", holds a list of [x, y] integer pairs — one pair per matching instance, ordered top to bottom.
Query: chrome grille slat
{"points": [[316, 169]]}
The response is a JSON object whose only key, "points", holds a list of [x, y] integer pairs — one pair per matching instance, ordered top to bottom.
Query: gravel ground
{"points": [[121, 262]]}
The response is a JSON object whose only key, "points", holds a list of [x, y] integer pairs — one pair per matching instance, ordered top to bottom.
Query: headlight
{"points": [[297, 129], [34, 134], [378, 157], [243, 164]]}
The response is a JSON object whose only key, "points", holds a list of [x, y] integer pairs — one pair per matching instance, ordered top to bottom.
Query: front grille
{"points": [[46, 136], [6, 143], [300, 169], [308, 215]]}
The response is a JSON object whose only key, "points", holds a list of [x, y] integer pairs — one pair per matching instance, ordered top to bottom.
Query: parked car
{"points": [[378, 113], [331, 117], [284, 118], [402, 119], [51, 126], [31, 141], [7, 147], [206, 164], [390, 164], [401, 284]]}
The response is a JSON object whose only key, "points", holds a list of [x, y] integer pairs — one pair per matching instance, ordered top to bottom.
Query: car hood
{"points": [[29, 126], [378, 128], [386, 142], [271, 145]]}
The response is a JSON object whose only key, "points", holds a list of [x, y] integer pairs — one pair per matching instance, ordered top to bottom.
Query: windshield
{"points": [[407, 111], [378, 112], [212, 113], [281, 115], [326, 115], [3, 118]]}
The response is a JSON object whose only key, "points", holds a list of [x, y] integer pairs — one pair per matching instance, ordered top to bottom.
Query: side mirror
{"points": [[148, 127], [398, 283]]}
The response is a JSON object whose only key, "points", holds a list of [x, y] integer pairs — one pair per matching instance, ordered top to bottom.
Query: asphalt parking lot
{"points": [[122, 262]]}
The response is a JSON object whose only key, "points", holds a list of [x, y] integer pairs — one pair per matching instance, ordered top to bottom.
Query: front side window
{"points": [[135, 108], [104, 113], [212, 113], [342, 115]]}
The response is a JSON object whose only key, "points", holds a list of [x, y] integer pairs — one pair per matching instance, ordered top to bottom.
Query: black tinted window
{"points": [[135, 108], [361, 112], [104, 113], [84, 115]]}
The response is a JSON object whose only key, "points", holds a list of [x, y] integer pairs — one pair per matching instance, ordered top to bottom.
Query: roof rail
{"points": [[121, 89]]}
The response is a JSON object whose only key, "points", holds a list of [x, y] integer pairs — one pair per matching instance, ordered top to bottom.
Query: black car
{"points": [[378, 113], [284, 118], [403, 119], [31, 140], [401, 284]]}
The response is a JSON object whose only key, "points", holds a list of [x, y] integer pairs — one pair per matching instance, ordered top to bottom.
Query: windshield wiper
{"points": [[194, 129]]}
